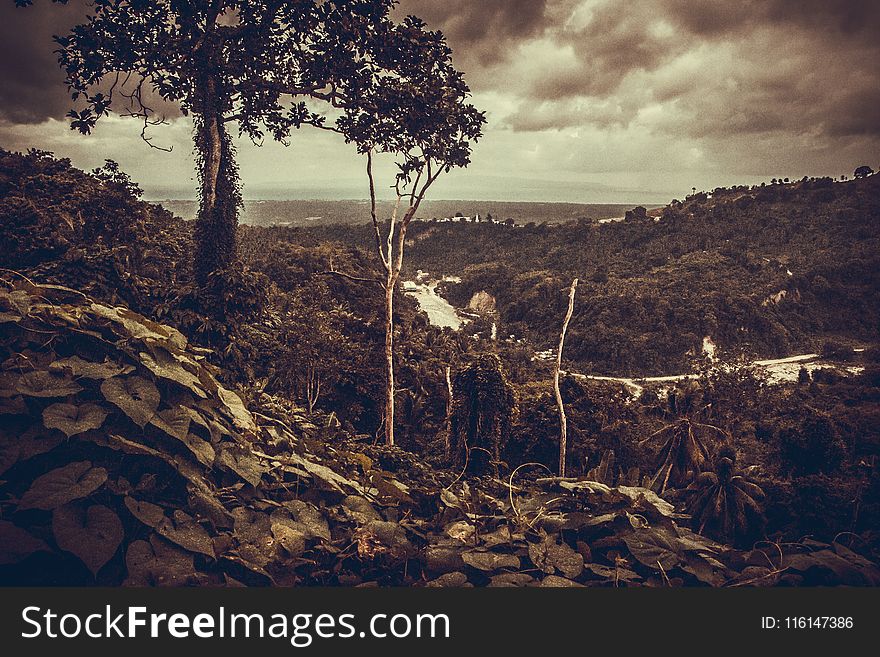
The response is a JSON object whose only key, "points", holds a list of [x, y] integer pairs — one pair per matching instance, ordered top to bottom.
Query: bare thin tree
{"points": [[390, 251], [563, 422]]}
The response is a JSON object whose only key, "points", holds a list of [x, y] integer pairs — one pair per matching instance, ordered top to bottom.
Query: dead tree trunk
{"points": [[390, 284], [449, 400], [563, 423]]}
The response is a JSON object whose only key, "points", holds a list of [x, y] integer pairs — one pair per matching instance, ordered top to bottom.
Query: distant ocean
{"points": [[316, 212]]}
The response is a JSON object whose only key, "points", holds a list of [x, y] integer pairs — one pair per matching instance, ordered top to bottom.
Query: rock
{"points": [[482, 302]]}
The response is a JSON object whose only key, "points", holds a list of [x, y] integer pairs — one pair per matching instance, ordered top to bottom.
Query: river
{"points": [[440, 312], [779, 370]]}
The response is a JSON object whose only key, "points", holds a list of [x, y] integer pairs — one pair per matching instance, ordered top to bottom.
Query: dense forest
{"points": [[766, 271], [156, 431]]}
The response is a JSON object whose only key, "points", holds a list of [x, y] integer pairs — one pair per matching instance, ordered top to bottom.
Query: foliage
{"points": [[482, 410], [812, 445], [724, 504]]}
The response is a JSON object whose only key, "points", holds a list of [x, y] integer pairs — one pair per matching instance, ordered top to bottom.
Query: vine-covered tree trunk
{"points": [[220, 198], [217, 221], [482, 413]]}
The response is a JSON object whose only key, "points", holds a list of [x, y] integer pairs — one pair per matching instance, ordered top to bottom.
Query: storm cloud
{"points": [[640, 98]]}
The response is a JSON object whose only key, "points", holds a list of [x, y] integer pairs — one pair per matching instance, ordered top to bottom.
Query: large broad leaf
{"points": [[14, 305], [140, 327], [166, 365], [87, 369], [46, 384], [135, 395], [241, 417], [72, 418], [173, 421], [176, 422], [32, 442], [242, 463], [58, 487], [644, 496], [147, 512], [307, 517], [181, 529], [187, 533], [93, 534], [255, 537], [291, 540], [16, 544], [653, 548], [550, 557], [490, 560], [159, 563]]}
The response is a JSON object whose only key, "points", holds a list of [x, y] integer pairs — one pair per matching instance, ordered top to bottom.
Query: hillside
{"points": [[766, 271], [155, 434]]}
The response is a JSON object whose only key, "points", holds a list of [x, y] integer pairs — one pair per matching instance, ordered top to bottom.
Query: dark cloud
{"points": [[482, 33], [31, 84], [661, 87]]}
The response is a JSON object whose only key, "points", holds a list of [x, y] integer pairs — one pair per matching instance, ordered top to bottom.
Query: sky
{"points": [[593, 101]]}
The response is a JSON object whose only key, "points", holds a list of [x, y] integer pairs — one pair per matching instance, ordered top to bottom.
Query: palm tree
{"points": [[685, 452], [723, 504]]}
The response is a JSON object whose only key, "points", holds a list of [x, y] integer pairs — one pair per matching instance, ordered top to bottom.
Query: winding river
{"points": [[779, 370]]}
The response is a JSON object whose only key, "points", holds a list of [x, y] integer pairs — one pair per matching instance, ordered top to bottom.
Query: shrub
{"points": [[813, 446]]}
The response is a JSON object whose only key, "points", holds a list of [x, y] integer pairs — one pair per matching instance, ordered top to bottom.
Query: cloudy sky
{"points": [[587, 101]]}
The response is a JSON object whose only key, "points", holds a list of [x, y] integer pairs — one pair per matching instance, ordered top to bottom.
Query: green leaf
{"points": [[140, 327], [45, 384], [135, 395], [73, 419], [32, 442], [242, 463], [63, 485], [149, 514], [93, 534], [292, 540], [16, 544]]}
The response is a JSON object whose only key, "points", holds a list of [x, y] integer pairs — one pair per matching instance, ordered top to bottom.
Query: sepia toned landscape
{"points": [[508, 294]]}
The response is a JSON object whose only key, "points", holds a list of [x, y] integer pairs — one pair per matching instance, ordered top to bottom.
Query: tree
{"points": [[250, 62], [411, 103], [863, 172], [482, 412], [563, 424], [725, 504]]}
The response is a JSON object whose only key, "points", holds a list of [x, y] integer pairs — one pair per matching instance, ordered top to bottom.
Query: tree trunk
{"points": [[216, 225], [390, 284], [449, 401], [563, 423]]}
